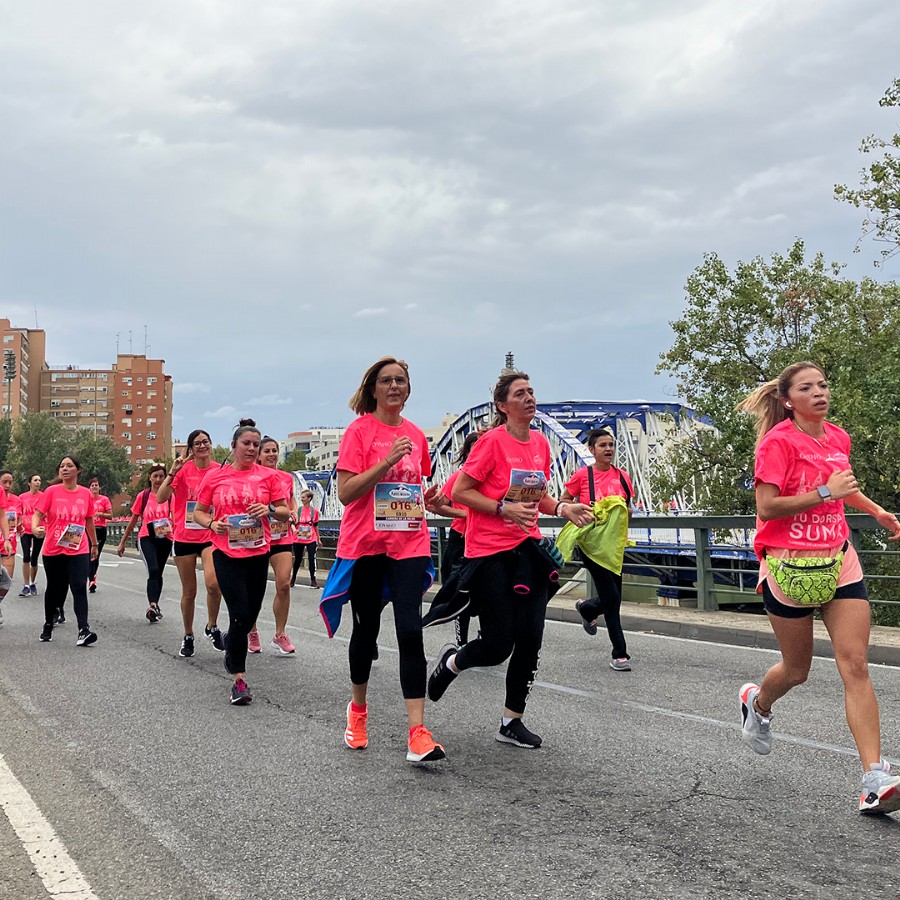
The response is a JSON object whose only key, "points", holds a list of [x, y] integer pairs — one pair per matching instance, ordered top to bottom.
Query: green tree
{"points": [[879, 190], [742, 328], [39, 442], [220, 454], [99, 455], [295, 461]]}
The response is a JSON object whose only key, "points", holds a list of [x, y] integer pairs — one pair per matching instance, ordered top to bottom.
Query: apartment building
{"points": [[27, 347], [131, 402]]}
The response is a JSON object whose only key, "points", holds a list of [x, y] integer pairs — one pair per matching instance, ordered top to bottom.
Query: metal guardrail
{"points": [[702, 561]]}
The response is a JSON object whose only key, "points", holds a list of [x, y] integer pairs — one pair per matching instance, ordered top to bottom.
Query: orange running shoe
{"points": [[355, 736], [422, 746]]}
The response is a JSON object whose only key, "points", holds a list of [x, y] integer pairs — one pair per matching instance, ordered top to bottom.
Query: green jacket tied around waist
{"points": [[605, 539]]}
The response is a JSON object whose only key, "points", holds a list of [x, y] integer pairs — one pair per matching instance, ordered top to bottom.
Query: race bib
{"points": [[525, 486], [398, 506], [11, 515], [189, 522], [162, 527], [278, 531], [304, 532], [245, 533], [70, 539]]}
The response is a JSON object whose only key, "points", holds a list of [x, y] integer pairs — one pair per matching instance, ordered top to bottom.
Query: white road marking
{"points": [[61, 876]]}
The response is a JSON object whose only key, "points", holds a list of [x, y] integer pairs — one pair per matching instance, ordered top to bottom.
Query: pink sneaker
{"points": [[253, 644], [283, 644]]}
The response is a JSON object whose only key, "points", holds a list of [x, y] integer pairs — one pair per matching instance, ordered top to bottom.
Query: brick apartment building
{"points": [[131, 401]]}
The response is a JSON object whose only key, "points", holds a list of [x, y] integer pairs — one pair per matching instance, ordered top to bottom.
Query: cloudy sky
{"points": [[282, 192]]}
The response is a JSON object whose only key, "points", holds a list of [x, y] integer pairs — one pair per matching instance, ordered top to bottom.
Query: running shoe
{"points": [[314, 584], [92, 586], [33, 589], [25, 592], [153, 614], [59, 618], [589, 625], [47, 633], [86, 637], [216, 637], [253, 642], [283, 644], [187, 646], [620, 665], [441, 675], [240, 693], [756, 730], [517, 734], [356, 735], [422, 746], [880, 791]]}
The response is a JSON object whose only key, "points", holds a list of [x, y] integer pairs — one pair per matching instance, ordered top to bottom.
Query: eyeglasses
{"points": [[388, 380], [202, 444]]}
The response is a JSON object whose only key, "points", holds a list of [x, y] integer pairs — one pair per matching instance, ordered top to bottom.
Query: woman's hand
{"points": [[401, 447], [842, 484], [435, 501], [258, 510], [578, 514], [525, 515], [889, 521], [215, 523], [40, 531], [120, 550], [94, 552]]}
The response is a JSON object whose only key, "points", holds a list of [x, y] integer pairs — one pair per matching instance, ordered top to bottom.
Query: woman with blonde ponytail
{"points": [[803, 480]]}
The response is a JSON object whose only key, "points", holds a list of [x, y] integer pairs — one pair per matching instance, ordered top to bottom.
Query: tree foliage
{"points": [[879, 190], [741, 328], [5, 442], [100, 456], [295, 461]]}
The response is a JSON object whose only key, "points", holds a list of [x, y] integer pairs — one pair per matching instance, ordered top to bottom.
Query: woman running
{"points": [[602, 479], [803, 482], [504, 485], [244, 495], [102, 514], [64, 515], [13, 521], [154, 536], [306, 538], [193, 541], [384, 544], [31, 545], [455, 551], [281, 554]]}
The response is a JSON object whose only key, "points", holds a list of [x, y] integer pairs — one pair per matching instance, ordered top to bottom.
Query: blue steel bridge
{"points": [[647, 436]]}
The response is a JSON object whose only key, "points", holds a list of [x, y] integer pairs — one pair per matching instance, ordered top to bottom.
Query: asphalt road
{"points": [[158, 788]]}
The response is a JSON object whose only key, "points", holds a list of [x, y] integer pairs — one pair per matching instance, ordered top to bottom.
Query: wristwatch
{"points": [[824, 493]]}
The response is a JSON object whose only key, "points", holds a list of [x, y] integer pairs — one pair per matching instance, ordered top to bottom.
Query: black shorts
{"points": [[189, 548], [280, 548], [855, 591]]}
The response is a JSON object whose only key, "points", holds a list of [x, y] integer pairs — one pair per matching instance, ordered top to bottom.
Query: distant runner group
{"points": [[240, 518]]}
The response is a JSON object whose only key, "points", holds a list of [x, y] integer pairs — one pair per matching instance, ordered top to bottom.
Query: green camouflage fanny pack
{"points": [[808, 580]]}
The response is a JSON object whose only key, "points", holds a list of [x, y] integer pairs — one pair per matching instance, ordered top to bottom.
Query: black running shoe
{"points": [[92, 586], [153, 614], [59, 618], [589, 625], [47, 633], [86, 637], [216, 637], [187, 646], [441, 674], [240, 693], [516, 733]]}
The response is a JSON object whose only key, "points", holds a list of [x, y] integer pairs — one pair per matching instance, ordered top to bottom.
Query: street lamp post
{"points": [[9, 374]]}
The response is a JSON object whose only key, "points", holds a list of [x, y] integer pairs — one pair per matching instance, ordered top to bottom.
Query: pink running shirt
{"points": [[796, 464], [506, 469], [606, 484], [230, 491], [185, 492], [29, 502], [160, 514], [65, 516], [389, 519]]}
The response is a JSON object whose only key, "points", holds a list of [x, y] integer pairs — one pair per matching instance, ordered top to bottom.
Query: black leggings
{"points": [[101, 540], [31, 549], [154, 552], [454, 555], [298, 559], [65, 573], [406, 578], [243, 582], [607, 603], [512, 625]]}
